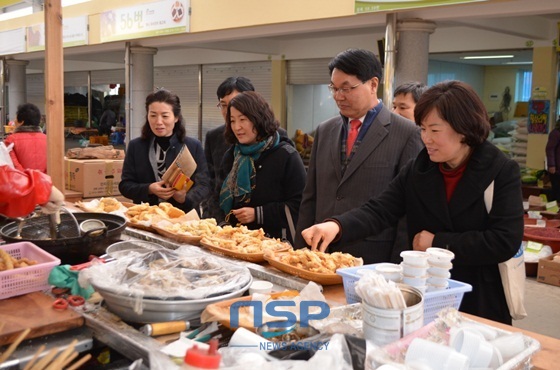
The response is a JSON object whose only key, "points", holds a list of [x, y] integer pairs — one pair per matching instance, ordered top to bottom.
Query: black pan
{"points": [[70, 245]]}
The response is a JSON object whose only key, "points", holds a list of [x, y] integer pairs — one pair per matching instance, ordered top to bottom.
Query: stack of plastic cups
{"points": [[440, 263], [415, 269]]}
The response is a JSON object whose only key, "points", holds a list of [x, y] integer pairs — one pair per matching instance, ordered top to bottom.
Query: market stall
{"points": [[101, 324]]}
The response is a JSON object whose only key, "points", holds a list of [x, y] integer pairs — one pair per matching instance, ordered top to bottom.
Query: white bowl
{"points": [[415, 258], [410, 270], [390, 271], [439, 272], [415, 281], [438, 281], [261, 287], [509, 345]]}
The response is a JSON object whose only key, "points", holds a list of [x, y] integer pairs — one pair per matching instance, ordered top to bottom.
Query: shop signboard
{"points": [[366, 6], [164, 17], [74, 33], [12, 42], [539, 112]]}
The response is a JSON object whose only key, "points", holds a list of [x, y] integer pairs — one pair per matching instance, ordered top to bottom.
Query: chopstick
{"points": [[14, 345], [35, 356]]}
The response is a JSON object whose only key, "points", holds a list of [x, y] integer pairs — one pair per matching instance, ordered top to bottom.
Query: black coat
{"points": [[138, 174], [280, 178], [480, 240]]}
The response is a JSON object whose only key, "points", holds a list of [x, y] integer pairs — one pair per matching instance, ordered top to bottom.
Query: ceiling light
{"points": [[488, 57], [518, 63]]}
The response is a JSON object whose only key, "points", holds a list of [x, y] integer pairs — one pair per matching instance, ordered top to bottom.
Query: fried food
{"points": [[103, 205], [144, 212], [207, 226], [241, 239], [7, 262], [319, 262]]}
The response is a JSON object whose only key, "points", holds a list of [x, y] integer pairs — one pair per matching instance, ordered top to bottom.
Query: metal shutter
{"points": [[308, 72], [114, 76], [183, 81]]}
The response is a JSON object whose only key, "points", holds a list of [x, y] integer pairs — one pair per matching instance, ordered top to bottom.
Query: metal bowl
{"points": [[122, 248], [161, 310]]}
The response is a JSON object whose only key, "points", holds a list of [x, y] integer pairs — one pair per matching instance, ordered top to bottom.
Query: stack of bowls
{"points": [[439, 261], [415, 269], [390, 271]]}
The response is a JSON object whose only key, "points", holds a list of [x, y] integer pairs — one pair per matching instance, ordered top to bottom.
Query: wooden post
{"points": [[54, 92]]}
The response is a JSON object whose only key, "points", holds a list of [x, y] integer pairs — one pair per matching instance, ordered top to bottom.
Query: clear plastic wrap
{"points": [[167, 275]]}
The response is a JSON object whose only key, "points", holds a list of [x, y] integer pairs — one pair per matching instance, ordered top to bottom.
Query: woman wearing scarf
{"points": [[149, 156], [263, 172]]}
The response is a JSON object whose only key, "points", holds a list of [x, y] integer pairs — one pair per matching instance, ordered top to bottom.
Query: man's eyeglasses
{"points": [[343, 90], [221, 106]]}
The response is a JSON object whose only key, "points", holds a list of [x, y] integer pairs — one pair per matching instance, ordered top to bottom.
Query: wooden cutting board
{"points": [[34, 311]]}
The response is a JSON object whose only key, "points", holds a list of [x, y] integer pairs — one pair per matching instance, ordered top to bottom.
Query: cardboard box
{"points": [[93, 177], [549, 270]]}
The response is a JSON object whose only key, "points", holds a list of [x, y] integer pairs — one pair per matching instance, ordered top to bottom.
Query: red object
{"points": [[112, 86], [352, 135], [30, 150], [21, 191], [545, 235], [72, 300], [60, 304], [204, 359]]}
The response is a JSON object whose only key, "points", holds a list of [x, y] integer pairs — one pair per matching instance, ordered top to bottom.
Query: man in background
{"points": [[405, 98], [356, 154]]}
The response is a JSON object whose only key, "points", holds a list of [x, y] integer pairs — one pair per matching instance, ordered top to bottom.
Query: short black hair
{"points": [[357, 62], [232, 84], [415, 88], [165, 96], [457, 103], [257, 110], [28, 114]]}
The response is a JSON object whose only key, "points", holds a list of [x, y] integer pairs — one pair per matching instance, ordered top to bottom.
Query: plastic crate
{"points": [[23, 280], [433, 301]]}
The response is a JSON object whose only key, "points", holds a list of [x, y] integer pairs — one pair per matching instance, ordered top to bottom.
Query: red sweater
{"points": [[452, 177]]}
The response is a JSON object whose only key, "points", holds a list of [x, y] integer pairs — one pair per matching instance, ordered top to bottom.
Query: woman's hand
{"points": [[552, 170], [161, 190], [180, 196], [245, 215], [321, 235], [422, 241]]}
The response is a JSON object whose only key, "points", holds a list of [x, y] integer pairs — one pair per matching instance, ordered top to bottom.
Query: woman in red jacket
{"points": [[30, 143]]}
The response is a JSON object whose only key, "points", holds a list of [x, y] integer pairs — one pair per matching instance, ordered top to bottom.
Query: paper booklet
{"points": [[178, 175]]}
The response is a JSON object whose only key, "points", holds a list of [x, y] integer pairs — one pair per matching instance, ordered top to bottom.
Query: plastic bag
{"points": [[5, 159]]}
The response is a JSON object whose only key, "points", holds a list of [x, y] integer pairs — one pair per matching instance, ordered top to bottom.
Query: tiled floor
{"points": [[542, 302]]}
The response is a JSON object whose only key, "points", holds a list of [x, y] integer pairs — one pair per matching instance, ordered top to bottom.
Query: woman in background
{"points": [[30, 143], [149, 156], [553, 160], [263, 172], [441, 193]]}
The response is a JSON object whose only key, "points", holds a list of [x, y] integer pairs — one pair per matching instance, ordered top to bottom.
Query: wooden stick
{"points": [[14, 345], [62, 356], [35, 357], [68, 359], [45, 360], [80, 362]]}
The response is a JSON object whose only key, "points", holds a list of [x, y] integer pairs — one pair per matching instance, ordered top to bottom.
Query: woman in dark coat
{"points": [[150, 155], [262, 172], [442, 194]]}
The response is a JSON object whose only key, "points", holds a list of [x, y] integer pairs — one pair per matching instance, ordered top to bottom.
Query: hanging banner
{"points": [[365, 6], [163, 17], [74, 33], [12, 42], [539, 112]]}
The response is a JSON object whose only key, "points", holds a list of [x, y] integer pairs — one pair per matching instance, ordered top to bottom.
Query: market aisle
{"points": [[541, 302]]}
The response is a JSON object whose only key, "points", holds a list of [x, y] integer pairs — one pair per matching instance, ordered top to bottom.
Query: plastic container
{"points": [[545, 235], [23, 280], [434, 301], [383, 326], [197, 358]]}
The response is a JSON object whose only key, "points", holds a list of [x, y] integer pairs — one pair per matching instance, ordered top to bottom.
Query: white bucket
{"points": [[383, 326]]}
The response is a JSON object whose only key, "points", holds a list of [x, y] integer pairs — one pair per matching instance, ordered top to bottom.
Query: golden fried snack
{"points": [[109, 204], [318, 262], [8, 263]]}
